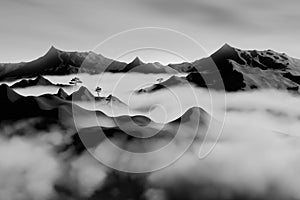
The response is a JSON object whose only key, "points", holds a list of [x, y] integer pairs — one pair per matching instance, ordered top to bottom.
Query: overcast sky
{"points": [[30, 27]]}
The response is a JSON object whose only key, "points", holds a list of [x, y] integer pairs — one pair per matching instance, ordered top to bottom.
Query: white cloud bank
{"points": [[257, 156]]}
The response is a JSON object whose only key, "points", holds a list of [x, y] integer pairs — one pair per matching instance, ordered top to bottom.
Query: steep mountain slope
{"points": [[57, 62], [135, 63], [139, 66], [229, 68], [233, 69], [244, 70], [38, 81], [172, 81], [83, 94], [48, 106], [60, 111], [128, 130]]}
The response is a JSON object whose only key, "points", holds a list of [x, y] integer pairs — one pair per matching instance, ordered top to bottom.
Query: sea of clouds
{"points": [[256, 156]]}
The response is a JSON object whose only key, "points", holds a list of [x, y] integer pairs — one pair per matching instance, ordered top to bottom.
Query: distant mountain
{"points": [[57, 62], [135, 63], [139, 66], [229, 68], [247, 69], [234, 70], [38, 81], [172, 81], [9, 94], [62, 94], [83, 94], [47, 106], [16, 107], [56, 110], [128, 128]]}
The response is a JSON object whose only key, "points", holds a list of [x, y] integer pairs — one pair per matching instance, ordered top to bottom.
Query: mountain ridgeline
{"points": [[228, 68]]}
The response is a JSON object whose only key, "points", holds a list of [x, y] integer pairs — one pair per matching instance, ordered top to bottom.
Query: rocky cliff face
{"points": [[228, 68], [232, 69], [246, 69]]}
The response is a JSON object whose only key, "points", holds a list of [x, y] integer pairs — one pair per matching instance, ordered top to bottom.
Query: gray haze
{"points": [[30, 27]]}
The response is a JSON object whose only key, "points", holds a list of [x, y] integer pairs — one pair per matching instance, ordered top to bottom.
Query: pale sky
{"points": [[30, 27]]}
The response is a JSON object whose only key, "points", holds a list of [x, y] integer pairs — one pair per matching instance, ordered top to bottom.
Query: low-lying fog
{"points": [[160, 108], [256, 156]]}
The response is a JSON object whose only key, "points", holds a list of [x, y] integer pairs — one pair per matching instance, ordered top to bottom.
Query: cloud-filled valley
{"points": [[149, 100], [111, 136], [256, 155]]}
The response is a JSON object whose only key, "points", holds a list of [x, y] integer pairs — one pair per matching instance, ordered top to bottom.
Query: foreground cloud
{"points": [[256, 157], [27, 170]]}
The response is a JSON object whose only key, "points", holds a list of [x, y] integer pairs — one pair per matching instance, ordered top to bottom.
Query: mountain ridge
{"points": [[228, 68], [232, 69], [38, 81]]}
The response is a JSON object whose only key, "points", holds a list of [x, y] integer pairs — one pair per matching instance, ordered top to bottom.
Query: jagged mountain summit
{"points": [[57, 62], [136, 62], [230, 68], [234, 69], [247, 69], [38, 81], [170, 82], [83, 94]]}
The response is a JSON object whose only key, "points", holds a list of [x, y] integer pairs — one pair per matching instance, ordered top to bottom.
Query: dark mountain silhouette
{"points": [[57, 62], [136, 62], [139, 66], [229, 68], [233, 69], [246, 69], [38, 81], [172, 81], [9, 94], [62, 94], [83, 94], [16, 107], [52, 107], [128, 127], [121, 130]]}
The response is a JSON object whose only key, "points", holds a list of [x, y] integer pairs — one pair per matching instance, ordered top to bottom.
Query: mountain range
{"points": [[228, 68], [232, 69], [38, 81], [83, 94], [57, 110]]}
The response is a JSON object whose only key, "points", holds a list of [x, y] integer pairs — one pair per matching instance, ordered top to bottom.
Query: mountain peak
{"points": [[226, 45], [226, 48], [52, 50], [224, 53], [137, 61], [40, 80], [82, 89], [6, 91], [82, 93], [62, 94], [193, 113]]}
